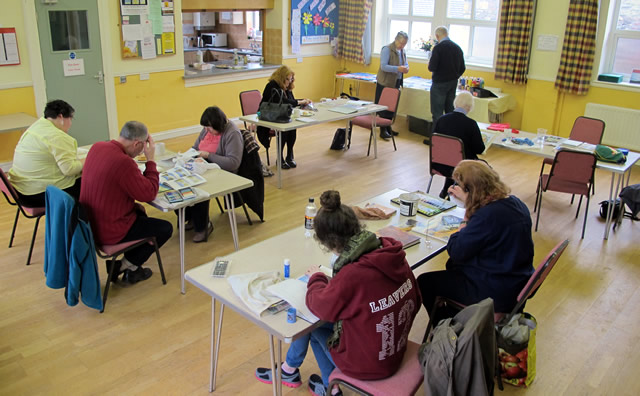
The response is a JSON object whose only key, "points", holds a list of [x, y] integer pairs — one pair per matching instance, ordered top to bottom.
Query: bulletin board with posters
{"points": [[313, 22], [147, 28]]}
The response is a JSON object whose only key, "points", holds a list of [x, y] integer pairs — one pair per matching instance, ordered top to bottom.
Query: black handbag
{"points": [[275, 111]]}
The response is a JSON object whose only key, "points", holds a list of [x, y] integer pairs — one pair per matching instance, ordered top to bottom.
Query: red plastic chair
{"points": [[390, 97], [250, 103], [585, 129], [444, 150], [572, 172], [13, 199], [111, 252], [528, 291], [405, 381]]}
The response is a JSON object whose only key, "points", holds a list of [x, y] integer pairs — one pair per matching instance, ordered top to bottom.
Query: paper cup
{"points": [[160, 148], [409, 204]]}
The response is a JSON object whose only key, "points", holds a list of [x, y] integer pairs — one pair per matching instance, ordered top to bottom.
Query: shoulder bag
{"points": [[275, 111]]}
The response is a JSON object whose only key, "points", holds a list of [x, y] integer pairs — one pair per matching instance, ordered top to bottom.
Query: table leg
{"points": [[346, 135], [375, 139], [279, 157], [611, 200], [232, 219], [181, 241], [215, 343], [279, 376]]}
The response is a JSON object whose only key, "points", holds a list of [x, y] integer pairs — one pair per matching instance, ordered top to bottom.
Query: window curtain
{"points": [[353, 18], [514, 40], [578, 49]]}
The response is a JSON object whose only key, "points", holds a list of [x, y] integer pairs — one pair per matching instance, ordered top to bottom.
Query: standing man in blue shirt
{"points": [[393, 64], [446, 65]]}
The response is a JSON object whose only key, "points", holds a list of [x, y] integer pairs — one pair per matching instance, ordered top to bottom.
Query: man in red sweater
{"points": [[111, 185]]}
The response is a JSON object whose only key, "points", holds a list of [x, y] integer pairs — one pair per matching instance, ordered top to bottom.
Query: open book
{"points": [[178, 177]]}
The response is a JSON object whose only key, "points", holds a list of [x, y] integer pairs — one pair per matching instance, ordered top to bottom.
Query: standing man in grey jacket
{"points": [[393, 64]]}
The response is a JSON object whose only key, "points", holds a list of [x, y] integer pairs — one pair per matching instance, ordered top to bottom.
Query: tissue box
{"points": [[614, 78]]}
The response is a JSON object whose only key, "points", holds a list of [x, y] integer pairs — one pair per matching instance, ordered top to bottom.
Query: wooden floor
{"points": [[153, 340]]}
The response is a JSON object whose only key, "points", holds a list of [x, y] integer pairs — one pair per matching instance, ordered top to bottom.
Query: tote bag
{"points": [[275, 111]]}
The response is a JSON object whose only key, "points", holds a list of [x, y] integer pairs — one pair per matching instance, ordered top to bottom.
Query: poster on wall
{"points": [[313, 21], [9, 47]]}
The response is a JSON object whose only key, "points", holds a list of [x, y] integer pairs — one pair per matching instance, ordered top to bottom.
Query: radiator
{"points": [[622, 125]]}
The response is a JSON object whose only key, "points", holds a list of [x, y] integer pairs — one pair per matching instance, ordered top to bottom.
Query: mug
{"points": [[409, 204]]}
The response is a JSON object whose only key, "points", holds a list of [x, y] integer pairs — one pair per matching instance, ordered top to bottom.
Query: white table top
{"points": [[321, 116], [16, 121], [549, 151], [219, 182], [269, 255]]}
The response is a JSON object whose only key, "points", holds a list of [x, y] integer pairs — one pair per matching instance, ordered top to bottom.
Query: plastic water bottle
{"points": [[309, 215]]}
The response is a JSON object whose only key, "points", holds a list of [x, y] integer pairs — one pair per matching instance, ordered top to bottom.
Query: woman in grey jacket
{"points": [[219, 142]]}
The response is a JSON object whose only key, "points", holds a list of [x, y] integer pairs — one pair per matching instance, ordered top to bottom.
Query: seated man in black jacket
{"points": [[457, 124]]}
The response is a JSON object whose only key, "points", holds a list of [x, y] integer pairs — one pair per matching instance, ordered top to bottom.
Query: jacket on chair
{"points": [[70, 254]]}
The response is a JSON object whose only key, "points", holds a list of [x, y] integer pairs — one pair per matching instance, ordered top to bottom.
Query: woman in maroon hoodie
{"points": [[371, 299]]}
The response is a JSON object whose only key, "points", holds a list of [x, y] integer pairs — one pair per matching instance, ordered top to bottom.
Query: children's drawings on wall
{"points": [[313, 22]]}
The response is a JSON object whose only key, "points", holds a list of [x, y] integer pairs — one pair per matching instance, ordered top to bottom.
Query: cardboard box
{"points": [[420, 126]]}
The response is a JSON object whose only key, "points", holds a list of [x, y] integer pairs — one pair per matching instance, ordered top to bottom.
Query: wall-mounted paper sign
{"points": [[547, 42], [73, 67]]}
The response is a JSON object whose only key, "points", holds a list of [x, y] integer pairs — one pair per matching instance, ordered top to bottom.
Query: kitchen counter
{"points": [[241, 51], [195, 77]]}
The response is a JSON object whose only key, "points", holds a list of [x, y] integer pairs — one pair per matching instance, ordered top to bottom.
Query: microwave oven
{"points": [[214, 39]]}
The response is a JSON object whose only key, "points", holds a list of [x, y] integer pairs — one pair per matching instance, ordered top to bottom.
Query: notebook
{"points": [[396, 233]]}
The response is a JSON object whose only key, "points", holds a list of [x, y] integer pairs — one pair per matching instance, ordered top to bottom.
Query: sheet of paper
{"points": [[155, 16], [167, 24], [295, 31], [132, 32], [168, 43], [11, 48], [148, 48], [73, 67], [294, 292]]}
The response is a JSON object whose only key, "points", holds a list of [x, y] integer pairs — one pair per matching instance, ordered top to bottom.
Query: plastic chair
{"points": [[390, 97], [250, 103], [585, 129], [444, 150], [572, 172], [13, 199], [111, 252], [528, 291], [405, 381]]}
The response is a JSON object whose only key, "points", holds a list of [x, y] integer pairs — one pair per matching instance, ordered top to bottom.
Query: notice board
{"points": [[313, 22], [147, 29]]}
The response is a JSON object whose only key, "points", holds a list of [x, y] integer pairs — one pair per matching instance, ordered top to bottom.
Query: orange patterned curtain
{"points": [[352, 20], [514, 40], [578, 49]]}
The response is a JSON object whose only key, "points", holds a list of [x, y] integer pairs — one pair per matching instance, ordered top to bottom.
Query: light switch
{"points": [[144, 76]]}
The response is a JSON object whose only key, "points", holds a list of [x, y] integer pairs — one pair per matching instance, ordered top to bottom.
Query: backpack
{"points": [[338, 139], [608, 154]]}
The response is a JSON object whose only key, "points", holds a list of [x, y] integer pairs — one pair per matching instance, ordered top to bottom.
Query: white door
{"points": [[72, 61]]}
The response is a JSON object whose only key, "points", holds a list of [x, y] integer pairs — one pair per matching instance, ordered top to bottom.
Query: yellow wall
{"points": [[15, 100], [164, 103]]}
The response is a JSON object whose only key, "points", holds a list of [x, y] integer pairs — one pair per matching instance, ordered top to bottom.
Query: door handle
{"points": [[100, 77]]}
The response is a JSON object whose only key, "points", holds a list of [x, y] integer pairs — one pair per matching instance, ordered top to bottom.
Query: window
{"points": [[253, 25], [472, 25], [69, 30], [621, 49]]}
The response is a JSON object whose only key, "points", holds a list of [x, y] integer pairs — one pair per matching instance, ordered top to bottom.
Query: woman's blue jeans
{"points": [[318, 340]]}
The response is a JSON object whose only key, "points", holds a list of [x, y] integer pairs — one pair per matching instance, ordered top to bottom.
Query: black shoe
{"points": [[394, 133], [384, 135], [426, 141], [291, 163], [285, 165], [116, 270], [136, 276]]}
